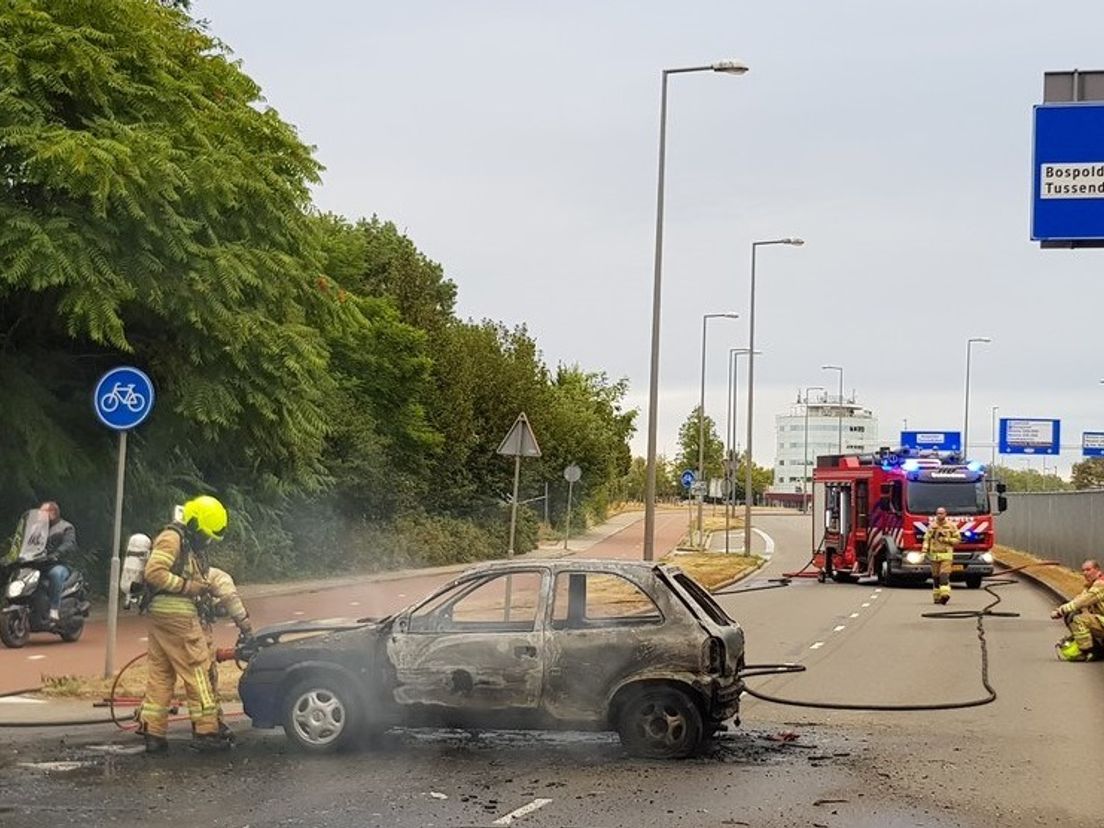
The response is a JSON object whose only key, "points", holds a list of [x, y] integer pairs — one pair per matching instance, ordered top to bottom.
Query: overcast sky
{"points": [[516, 143]]}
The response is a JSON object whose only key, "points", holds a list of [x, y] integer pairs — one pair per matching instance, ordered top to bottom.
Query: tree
{"points": [[688, 446], [1088, 474], [1028, 480]]}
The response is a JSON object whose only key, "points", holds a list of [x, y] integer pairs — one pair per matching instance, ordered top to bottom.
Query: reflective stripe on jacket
{"points": [[940, 541], [161, 577], [1092, 599]]}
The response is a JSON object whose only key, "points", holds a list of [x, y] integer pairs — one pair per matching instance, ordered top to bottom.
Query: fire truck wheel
{"points": [[885, 576], [841, 577], [973, 581]]}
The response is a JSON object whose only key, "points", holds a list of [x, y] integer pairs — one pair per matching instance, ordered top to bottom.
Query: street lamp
{"points": [[728, 67], [839, 411], [701, 412], [966, 417], [733, 453], [993, 455], [805, 465], [748, 492]]}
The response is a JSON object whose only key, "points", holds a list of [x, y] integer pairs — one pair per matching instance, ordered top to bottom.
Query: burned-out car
{"points": [[592, 645]]}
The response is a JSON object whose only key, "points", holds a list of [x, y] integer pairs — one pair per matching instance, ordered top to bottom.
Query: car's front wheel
{"points": [[321, 714], [660, 723]]}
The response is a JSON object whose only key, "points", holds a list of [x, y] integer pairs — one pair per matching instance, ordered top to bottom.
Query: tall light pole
{"points": [[730, 67], [734, 355], [839, 411], [701, 412], [966, 416], [993, 432], [805, 465], [748, 491]]}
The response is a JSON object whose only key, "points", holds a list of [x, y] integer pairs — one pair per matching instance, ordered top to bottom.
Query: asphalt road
{"points": [[47, 654], [1022, 760]]}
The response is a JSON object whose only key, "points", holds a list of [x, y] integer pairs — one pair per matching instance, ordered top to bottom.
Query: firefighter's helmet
{"points": [[206, 516]]}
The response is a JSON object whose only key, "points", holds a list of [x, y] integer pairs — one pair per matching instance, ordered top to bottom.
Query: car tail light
{"points": [[713, 656]]}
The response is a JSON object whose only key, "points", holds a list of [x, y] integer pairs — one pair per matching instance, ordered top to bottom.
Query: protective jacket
{"points": [[940, 541], [61, 542], [174, 573], [1091, 600]]}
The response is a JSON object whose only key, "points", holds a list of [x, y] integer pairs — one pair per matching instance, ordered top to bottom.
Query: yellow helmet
{"points": [[206, 516]]}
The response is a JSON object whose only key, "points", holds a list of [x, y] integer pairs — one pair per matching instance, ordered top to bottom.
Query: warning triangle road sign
{"points": [[520, 442]]}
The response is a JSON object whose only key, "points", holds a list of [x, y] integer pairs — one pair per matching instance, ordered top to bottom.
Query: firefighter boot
{"points": [[1068, 650], [210, 743], [156, 744]]}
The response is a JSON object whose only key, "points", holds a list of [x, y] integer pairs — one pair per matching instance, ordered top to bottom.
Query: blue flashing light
{"points": [[911, 465], [974, 466], [887, 467]]}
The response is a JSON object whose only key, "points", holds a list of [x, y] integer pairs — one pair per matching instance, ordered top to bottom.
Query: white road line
{"points": [[767, 540], [872, 597], [354, 603], [867, 604], [298, 612], [853, 615], [840, 627], [144, 638], [817, 646], [35, 657], [20, 700], [524, 810]]}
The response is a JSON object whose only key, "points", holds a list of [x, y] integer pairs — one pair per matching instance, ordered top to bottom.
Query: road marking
{"points": [[767, 539], [402, 594], [872, 597], [354, 603], [867, 604], [298, 612], [853, 615], [840, 627], [144, 638], [817, 646], [35, 657], [20, 700], [55, 766], [524, 810]]}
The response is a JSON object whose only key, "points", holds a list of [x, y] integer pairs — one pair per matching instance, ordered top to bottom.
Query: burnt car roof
{"points": [[576, 564]]}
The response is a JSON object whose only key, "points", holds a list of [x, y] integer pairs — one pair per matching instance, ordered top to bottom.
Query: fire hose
{"points": [[752, 670]]}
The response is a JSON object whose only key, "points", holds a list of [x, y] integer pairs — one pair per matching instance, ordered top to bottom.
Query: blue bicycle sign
{"points": [[123, 398]]}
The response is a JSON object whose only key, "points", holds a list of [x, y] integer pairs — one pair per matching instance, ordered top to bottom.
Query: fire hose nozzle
{"points": [[225, 654]]}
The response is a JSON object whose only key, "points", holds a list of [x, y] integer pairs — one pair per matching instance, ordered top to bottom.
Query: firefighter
{"points": [[939, 543], [176, 578], [224, 593], [1084, 616]]}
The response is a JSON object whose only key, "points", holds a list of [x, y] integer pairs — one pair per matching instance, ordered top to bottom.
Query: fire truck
{"points": [[870, 513]]}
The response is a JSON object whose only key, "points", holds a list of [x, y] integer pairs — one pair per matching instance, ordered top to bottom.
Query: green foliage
{"points": [[688, 439], [1088, 474], [1029, 480]]}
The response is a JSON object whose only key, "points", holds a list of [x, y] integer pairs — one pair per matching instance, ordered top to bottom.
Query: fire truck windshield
{"points": [[958, 497]]}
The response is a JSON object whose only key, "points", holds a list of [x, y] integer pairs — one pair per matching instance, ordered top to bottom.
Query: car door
{"points": [[602, 628], [476, 647]]}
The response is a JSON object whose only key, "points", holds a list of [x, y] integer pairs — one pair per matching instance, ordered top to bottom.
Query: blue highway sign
{"points": [[1068, 172], [123, 398], [1022, 436], [941, 440], [1092, 444]]}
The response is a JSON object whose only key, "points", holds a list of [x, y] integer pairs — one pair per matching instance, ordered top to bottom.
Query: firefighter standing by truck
{"points": [[939, 543], [176, 577], [1084, 616]]}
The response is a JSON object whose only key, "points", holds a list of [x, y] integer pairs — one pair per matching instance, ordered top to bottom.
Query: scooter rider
{"points": [[61, 544], [176, 576]]}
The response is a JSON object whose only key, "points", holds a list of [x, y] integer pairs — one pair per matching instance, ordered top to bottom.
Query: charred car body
{"points": [[640, 649]]}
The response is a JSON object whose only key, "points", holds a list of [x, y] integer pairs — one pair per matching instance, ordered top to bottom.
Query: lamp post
{"points": [[729, 67], [701, 413], [839, 414], [966, 416], [993, 432], [733, 453], [805, 465], [748, 491]]}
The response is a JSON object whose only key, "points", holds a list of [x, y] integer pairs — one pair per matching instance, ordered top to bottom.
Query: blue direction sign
{"points": [[1068, 173], [123, 398], [1029, 436], [940, 440], [1092, 444], [688, 478]]}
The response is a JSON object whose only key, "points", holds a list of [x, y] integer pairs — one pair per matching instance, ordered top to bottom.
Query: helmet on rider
{"points": [[205, 517], [138, 544]]}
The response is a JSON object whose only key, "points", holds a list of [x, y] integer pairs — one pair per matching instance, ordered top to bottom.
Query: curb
{"points": [[1041, 584]]}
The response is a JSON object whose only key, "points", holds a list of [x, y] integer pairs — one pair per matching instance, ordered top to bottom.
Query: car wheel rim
{"points": [[318, 717], [662, 725]]}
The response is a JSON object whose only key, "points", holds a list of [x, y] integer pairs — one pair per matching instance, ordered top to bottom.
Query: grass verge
{"points": [[714, 569], [1066, 581], [133, 683]]}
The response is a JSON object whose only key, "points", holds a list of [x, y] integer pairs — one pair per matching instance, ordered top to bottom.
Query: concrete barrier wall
{"points": [[1063, 526]]}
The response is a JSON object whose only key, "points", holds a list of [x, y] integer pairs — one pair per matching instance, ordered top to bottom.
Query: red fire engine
{"points": [[870, 513]]}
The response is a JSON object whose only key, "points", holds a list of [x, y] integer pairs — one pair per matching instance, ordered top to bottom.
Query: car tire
{"points": [[973, 582], [15, 629], [321, 714], [660, 723]]}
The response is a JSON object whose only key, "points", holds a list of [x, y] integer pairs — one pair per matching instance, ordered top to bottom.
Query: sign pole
{"points": [[514, 504], [567, 530], [116, 542]]}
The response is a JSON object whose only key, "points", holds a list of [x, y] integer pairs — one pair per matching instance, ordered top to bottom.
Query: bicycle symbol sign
{"points": [[123, 398]]}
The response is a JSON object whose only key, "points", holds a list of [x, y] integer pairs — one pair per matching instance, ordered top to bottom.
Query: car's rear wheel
{"points": [[321, 714], [660, 723]]}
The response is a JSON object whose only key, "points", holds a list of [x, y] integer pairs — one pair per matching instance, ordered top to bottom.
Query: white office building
{"points": [[821, 418]]}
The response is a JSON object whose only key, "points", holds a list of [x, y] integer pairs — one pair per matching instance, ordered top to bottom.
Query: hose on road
{"points": [[990, 696]]}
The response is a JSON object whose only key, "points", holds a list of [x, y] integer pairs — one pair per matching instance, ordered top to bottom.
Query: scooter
{"points": [[25, 596]]}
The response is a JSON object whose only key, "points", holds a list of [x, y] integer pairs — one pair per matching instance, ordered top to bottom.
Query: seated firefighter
{"points": [[1084, 616]]}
